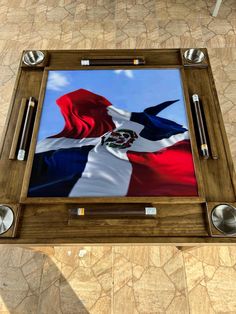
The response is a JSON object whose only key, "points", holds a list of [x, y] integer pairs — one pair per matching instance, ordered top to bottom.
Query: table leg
{"points": [[216, 8], [186, 248]]}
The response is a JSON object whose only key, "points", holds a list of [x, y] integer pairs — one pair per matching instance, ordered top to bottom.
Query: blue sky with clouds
{"points": [[132, 90]]}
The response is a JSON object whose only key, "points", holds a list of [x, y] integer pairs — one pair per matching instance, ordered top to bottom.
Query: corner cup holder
{"points": [[194, 55], [33, 57], [6, 218], [223, 218]]}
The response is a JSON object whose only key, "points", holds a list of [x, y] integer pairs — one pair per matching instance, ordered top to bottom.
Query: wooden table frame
{"points": [[180, 220]]}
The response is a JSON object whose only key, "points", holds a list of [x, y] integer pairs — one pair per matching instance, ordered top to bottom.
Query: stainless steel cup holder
{"points": [[194, 55], [33, 57], [6, 218], [223, 218]]}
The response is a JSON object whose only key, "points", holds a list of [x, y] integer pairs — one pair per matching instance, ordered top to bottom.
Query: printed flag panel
{"points": [[113, 133]]}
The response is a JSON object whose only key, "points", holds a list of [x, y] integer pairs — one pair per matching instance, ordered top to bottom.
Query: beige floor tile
{"points": [[14, 3], [70, 6], [35, 7], [181, 9], [95, 10], [136, 10], [3, 13], [57, 14], [18, 15], [67, 28], [49, 30], [9, 31], [180, 33], [218, 33], [137, 34], [93, 35], [2, 45], [11, 52], [223, 61], [6, 74], [5, 96], [232, 141], [47, 250], [159, 255], [194, 271], [123, 272], [51, 274], [211, 274], [20, 277], [79, 279], [149, 279], [14, 287], [222, 290], [149, 294], [124, 301], [199, 301], [45, 302], [103, 306]]}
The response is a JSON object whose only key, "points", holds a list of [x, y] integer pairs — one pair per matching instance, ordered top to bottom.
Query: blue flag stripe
{"points": [[156, 128], [54, 173]]}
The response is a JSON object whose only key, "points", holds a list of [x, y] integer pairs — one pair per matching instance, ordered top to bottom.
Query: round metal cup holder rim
{"points": [[198, 52], [38, 53], [212, 219], [9, 221]]}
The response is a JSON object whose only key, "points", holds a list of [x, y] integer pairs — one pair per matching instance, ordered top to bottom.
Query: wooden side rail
{"points": [[210, 119], [16, 135]]}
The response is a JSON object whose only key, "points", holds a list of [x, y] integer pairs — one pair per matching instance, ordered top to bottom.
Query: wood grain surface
{"points": [[179, 220]]}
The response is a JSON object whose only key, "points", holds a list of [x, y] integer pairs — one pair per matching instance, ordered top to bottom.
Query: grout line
{"points": [[41, 277], [186, 283]]}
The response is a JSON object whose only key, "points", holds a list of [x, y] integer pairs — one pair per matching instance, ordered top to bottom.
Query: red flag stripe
{"points": [[85, 115], [168, 172]]}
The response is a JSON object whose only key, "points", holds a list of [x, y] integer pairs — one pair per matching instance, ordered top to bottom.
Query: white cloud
{"points": [[127, 73], [57, 81]]}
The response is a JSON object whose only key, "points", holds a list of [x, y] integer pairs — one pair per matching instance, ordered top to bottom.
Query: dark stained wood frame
{"points": [[19, 123], [30, 158], [179, 220]]}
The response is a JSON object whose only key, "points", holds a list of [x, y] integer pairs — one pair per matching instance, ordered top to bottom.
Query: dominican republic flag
{"points": [[107, 151]]}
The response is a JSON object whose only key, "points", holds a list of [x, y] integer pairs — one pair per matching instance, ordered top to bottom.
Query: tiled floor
{"points": [[109, 24], [119, 279]]}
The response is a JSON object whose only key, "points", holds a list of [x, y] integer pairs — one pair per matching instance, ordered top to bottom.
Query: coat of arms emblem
{"points": [[121, 138]]}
